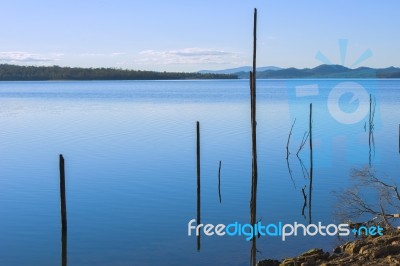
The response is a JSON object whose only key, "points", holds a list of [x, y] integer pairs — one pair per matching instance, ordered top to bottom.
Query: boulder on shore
{"points": [[369, 251]]}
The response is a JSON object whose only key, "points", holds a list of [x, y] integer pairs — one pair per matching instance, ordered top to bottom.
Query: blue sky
{"points": [[179, 35]]}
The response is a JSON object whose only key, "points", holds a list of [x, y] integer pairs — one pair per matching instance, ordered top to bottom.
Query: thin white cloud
{"points": [[91, 54], [100, 54], [116, 54], [187, 56], [26, 57]]}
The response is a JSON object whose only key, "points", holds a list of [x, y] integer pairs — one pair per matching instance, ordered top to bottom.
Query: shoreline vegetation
{"points": [[10, 72], [53, 73], [364, 251]]}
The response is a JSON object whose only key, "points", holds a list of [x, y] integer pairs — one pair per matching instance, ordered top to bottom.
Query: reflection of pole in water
{"points": [[370, 129], [288, 140], [371, 141], [303, 142], [371, 147], [288, 153], [311, 166], [303, 168], [290, 172], [306, 175], [198, 180], [219, 182], [253, 201], [305, 201], [63, 213], [63, 248]]}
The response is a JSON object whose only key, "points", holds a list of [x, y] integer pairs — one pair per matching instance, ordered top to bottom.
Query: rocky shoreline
{"points": [[369, 251]]}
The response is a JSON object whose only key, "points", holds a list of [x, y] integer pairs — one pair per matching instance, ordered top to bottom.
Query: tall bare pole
{"points": [[253, 127], [311, 167], [254, 176], [198, 179], [219, 181], [62, 195], [63, 212]]}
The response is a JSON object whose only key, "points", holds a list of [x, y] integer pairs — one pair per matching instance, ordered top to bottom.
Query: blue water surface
{"points": [[130, 151]]}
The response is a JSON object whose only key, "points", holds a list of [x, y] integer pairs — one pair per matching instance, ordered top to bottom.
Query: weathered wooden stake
{"points": [[251, 96], [370, 110], [370, 121], [253, 127], [310, 130], [399, 138], [371, 141], [311, 166], [198, 181], [219, 182], [62, 195], [253, 201], [63, 213]]}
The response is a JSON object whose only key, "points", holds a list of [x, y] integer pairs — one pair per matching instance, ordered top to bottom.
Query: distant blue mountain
{"points": [[239, 69], [325, 71]]}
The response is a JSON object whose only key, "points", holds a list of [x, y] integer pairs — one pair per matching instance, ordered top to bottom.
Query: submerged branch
{"points": [[288, 140], [303, 142]]}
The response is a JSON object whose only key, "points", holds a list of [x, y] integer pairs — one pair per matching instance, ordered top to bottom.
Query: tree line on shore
{"points": [[38, 73]]}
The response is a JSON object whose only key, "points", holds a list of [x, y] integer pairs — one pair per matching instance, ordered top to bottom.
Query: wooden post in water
{"points": [[251, 97], [370, 121], [253, 127], [310, 129], [399, 138], [371, 142], [311, 166], [254, 176], [198, 180], [219, 182], [62, 195], [63, 213], [64, 248]]}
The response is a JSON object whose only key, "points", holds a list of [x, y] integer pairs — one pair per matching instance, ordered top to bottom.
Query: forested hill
{"points": [[32, 73]]}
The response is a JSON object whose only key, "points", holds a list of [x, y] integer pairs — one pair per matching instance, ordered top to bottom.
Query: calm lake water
{"points": [[130, 151]]}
